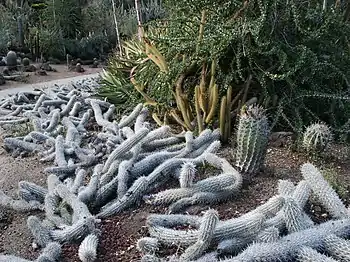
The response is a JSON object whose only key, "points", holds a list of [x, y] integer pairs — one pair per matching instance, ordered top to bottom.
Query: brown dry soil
{"points": [[33, 78], [120, 233]]}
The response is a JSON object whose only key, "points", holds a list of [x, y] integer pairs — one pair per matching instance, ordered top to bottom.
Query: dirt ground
{"points": [[62, 72], [120, 233]]}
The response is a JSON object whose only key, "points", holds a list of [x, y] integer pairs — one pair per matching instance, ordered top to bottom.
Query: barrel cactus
{"points": [[11, 59], [26, 61], [316, 137], [252, 138]]}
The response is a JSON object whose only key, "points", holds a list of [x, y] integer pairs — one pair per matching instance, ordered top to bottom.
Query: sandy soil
{"points": [[62, 72]]}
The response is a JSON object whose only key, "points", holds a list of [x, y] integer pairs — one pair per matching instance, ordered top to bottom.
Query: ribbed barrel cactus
{"points": [[11, 59], [316, 137], [252, 138]]}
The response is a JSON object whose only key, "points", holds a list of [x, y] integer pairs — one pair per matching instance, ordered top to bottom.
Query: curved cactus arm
{"points": [[39, 102], [75, 109], [65, 111], [109, 113], [99, 117], [55, 119], [140, 119], [84, 120], [127, 120], [14, 121], [158, 133], [73, 138], [14, 143], [160, 143], [188, 145], [125, 147], [48, 158], [60, 158], [149, 163], [111, 172], [187, 173], [123, 177], [78, 181], [285, 187], [34, 189], [89, 192], [105, 192], [134, 193], [302, 193], [325, 194], [27, 196], [201, 198], [19, 205], [51, 207], [80, 210], [293, 216], [173, 220], [245, 226], [77, 231], [41, 234], [268, 235], [205, 236], [148, 245], [232, 246], [337, 247], [88, 248], [287, 248], [51, 253], [307, 254]]}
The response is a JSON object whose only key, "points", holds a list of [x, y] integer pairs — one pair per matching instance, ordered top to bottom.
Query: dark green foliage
{"points": [[297, 53]]}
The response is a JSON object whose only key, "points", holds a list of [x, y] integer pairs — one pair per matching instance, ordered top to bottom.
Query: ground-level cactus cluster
{"points": [[317, 137], [101, 166], [278, 230]]}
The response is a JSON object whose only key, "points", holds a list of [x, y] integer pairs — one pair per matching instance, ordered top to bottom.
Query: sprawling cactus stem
{"points": [[55, 119], [127, 120], [316, 137], [252, 138], [14, 143], [125, 147], [187, 174], [285, 187], [34, 189], [89, 192], [325, 194], [132, 195], [19, 205], [293, 216], [78, 230], [40, 233], [270, 234], [205, 236], [148, 245], [232, 246], [337, 247], [88, 248], [287, 248], [51, 253], [307, 254], [150, 258]]}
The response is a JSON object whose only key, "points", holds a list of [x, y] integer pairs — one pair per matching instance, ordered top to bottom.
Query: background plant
{"points": [[295, 56]]}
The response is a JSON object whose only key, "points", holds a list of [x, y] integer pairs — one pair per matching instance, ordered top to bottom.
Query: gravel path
{"points": [[44, 85]]}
